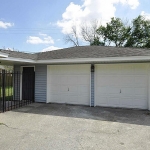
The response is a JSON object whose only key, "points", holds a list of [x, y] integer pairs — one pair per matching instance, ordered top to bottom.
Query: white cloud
{"points": [[132, 3], [101, 10], [146, 15], [5, 25], [43, 39], [50, 48], [11, 49]]}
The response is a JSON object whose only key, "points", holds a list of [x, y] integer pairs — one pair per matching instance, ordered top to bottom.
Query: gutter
{"points": [[3, 55], [80, 60], [96, 60]]}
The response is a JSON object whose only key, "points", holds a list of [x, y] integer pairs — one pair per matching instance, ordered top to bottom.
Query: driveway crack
{"points": [[3, 124]]}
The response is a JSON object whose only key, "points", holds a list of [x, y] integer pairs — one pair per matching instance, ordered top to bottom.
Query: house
{"points": [[85, 75]]}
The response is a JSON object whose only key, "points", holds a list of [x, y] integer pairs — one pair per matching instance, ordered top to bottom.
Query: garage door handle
{"points": [[68, 89], [120, 91]]}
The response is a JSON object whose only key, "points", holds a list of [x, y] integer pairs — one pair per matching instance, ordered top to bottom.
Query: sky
{"points": [[36, 26]]}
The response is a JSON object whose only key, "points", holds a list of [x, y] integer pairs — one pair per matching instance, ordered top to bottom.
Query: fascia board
{"points": [[3, 55], [18, 59], [80, 60], [86, 60]]}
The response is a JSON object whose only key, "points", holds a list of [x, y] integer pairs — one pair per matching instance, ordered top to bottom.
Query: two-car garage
{"points": [[115, 85]]}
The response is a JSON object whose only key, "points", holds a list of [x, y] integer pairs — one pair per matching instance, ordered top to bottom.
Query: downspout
{"points": [[92, 85]]}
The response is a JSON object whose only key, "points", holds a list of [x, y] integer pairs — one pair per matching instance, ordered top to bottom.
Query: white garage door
{"points": [[68, 84], [122, 85]]}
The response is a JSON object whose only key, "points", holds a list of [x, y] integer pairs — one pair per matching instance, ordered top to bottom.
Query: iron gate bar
{"points": [[3, 89], [10, 91]]}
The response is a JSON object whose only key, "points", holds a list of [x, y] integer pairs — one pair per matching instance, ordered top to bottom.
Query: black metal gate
{"points": [[11, 90]]}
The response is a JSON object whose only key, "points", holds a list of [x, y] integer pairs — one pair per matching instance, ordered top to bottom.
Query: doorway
{"points": [[28, 83]]}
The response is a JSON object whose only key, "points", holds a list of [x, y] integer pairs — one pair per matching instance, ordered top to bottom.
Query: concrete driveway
{"points": [[63, 127]]}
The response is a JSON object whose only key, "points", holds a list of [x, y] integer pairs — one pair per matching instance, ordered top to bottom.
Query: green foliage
{"points": [[115, 32], [140, 34], [97, 42], [8, 91]]}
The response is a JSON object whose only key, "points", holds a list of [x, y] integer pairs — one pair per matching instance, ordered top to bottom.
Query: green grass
{"points": [[8, 92]]}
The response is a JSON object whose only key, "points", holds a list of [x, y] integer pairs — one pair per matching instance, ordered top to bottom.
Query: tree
{"points": [[86, 32], [89, 32], [115, 32], [140, 33], [73, 37], [97, 42]]}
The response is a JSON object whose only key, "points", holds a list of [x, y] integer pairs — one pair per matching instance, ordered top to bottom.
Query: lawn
{"points": [[8, 92]]}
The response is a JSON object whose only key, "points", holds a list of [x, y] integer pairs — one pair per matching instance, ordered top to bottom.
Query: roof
{"points": [[80, 52], [92, 52], [17, 54]]}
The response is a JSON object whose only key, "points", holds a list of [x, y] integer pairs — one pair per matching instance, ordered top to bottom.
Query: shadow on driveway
{"points": [[138, 117]]}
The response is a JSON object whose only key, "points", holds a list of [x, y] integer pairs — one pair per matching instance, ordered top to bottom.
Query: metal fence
{"points": [[11, 90]]}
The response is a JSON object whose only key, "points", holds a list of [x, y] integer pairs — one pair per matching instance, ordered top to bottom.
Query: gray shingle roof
{"points": [[81, 52], [92, 52], [22, 55]]}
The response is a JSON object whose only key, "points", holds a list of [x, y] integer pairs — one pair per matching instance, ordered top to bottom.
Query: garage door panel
{"points": [[127, 69], [140, 69], [83, 70], [104, 70], [114, 71], [63, 79], [72, 79], [83, 79], [55, 80], [126, 80], [141, 80], [102, 81], [107, 81], [113, 81], [69, 84], [122, 85], [55, 88], [64, 88], [73, 89], [83, 89], [102, 90], [113, 90], [130, 91], [140, 91], [55, 97], [63, 97], [138, 98], [73, 99], [83, 99], [102, 101], [113, 101], [130, 102], [127, 105], [140, 105]]}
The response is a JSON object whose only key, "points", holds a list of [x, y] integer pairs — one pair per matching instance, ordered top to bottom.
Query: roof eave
{"points": [[3, 55], [21, 60], [80, 60], [96, 60]]}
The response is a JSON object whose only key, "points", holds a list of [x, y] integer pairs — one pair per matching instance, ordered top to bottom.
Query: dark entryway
{"points": [[28, 83]]}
